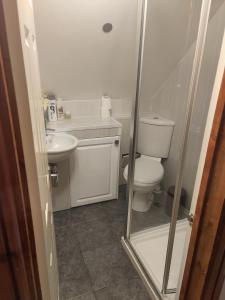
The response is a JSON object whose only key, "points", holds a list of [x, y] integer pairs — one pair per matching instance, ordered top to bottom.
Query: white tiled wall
{"points": [[170, 102], [121, 107], [82, 108]]}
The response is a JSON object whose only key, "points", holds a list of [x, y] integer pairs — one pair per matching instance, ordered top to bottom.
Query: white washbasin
{"points": [[60, 146]]}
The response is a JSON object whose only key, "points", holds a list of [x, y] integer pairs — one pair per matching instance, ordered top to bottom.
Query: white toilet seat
{"points": [[148, 171]]}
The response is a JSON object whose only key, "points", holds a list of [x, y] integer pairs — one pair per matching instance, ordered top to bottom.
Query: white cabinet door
{"points": [[94, 171]]}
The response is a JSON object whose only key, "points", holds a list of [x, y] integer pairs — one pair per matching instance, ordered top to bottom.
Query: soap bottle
{"points": [[52, 109], [60, 110]]}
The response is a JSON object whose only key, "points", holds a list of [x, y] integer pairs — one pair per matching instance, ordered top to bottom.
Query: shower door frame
{"points": [[193, 85], [206, 281]]}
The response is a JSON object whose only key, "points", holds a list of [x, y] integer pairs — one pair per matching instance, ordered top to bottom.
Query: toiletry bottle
{"points": [[52, 109], [60, 110], [67, 114]]}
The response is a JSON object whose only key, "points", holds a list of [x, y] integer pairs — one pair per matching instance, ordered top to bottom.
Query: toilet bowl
{"points": [[147, 176]]}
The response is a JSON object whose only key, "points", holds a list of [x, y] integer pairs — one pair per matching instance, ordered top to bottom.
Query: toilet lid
{"points": [[147, 170]]}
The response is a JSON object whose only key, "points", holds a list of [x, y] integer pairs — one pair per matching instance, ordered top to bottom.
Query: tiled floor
{"points": [[155, 216], [92, 264]]}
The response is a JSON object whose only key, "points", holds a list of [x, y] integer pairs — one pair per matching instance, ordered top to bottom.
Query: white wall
{"points": [[171, 28], [77, 59], [170, 101]]}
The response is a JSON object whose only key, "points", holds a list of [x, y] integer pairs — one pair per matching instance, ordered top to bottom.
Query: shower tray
{"points": [[151, 245]]}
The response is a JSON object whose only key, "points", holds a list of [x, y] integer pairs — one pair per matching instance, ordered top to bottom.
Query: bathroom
{"points": [[126, 92]]}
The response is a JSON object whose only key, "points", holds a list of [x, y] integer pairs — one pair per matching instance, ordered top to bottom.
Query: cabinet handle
{"points": [[117, 142]]}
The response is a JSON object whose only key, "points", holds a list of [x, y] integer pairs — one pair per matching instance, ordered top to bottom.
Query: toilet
{"points": [[154, 138]]}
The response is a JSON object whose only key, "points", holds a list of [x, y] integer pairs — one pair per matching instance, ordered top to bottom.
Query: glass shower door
{"points": [[170, 53], [198, 119]]}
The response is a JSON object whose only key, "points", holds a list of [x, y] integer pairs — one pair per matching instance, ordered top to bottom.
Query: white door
{"points": [[28, 38], [94, 170]]}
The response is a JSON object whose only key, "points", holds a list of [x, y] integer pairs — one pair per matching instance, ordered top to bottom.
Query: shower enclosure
{"points": [[179, 48]]}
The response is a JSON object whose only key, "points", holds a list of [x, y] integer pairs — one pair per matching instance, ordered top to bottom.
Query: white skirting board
{"points": [[151, 245]]}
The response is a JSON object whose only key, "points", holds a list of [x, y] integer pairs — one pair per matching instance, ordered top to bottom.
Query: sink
{"points": [[60, 146]]}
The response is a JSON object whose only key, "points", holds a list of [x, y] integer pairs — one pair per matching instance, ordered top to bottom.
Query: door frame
{"points": [[17, 242], [204, 275]]}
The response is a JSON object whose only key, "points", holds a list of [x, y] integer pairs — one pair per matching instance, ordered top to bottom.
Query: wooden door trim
{"points": [[15, 210], [209, 211], [216, 275]]}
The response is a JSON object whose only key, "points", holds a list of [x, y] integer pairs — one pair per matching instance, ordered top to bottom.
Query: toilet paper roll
{"points": [[106, 102], [105, 113]]}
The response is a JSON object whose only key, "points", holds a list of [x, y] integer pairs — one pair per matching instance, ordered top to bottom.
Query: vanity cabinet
{"points": [[94, 170]]}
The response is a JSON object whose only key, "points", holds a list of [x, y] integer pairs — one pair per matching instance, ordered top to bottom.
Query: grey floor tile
{"points": [[119, 204], [87, 213], [154, 217], [62, 218], [117, 221], [95, 234], [67, 242], [92, 263], [108, 264], [72, 267], [73, 274], [71, 288], [126, 289], [143, 295], [87, 296]]}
